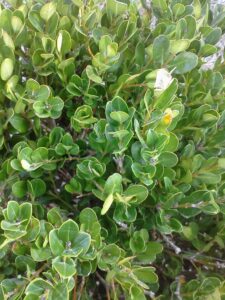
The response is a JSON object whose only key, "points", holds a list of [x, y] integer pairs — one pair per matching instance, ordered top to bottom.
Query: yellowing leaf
{"points": [[197, 9], [47, 11], [16, 24], [8, 40], [177, 46], [6, 69], [106, 206]]}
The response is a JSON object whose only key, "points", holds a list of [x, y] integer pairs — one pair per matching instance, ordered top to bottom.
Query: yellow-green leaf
{"points": [[47, 11], [6, 69], [107, 204]]}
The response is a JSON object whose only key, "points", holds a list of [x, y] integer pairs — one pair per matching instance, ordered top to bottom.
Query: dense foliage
{"points": [[112, 148]]}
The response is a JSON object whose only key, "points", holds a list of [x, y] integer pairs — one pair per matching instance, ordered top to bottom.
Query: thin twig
{"points": [[65, 174], [84, 195], [56, 196], [171, 244], [217, 264], [38, 272], [102, 280], [81, 287], [177, 292]]}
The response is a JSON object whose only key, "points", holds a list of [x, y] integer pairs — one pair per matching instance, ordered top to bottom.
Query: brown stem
{"points": [[65, 174], [217, 264], [38, 272], [81, 287], [75, 288], [114, 288]]}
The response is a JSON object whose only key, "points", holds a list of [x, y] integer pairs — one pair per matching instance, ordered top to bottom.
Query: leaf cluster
{"points": [[112, 149]]}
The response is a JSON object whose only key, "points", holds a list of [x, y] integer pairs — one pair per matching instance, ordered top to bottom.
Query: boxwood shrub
{"points": [[112, 150]]}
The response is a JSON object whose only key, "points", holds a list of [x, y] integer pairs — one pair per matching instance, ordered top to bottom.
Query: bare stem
{"points": [[176, 249], [102, 280], [81, 287], [75, 288]]}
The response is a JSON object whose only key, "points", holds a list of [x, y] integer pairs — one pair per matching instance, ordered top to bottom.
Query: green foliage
{"points": [[112, 176]]}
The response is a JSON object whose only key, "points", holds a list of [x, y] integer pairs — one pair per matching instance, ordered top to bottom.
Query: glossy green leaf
{"points": [[115, 7], [63, 42], [177, 46], [161, 49], [184, 62], [92, 74], [167, 96], [19, 123], [168, 159], [19, 189], [136, 193], [68, 231], [110, 254], [65, 268], [146, 274], [38, 286]]}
